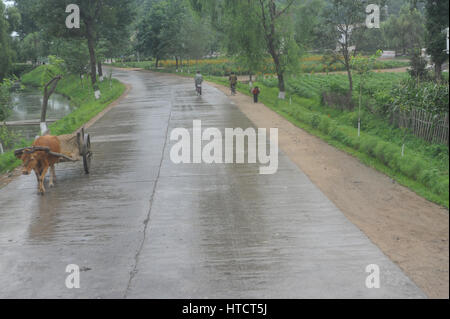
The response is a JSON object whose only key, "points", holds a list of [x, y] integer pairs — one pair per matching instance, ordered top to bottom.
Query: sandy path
{"points": [[410, 230]]}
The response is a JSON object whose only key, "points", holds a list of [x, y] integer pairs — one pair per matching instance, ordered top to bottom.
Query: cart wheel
{"points": [[87, 153]]}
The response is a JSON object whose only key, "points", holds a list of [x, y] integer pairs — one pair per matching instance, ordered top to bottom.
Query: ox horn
{"points": [[29, 150], [18, 153]]}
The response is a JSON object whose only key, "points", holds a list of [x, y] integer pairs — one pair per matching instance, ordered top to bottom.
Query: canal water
{"points": [[27, 105]]}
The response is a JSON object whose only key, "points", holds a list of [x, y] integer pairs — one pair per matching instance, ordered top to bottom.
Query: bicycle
{"points": [[198, 89], [233, 89]]}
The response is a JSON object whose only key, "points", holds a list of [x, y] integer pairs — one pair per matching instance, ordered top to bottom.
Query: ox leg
{"points": [[52, 176], [42, 178], [38, 179]]}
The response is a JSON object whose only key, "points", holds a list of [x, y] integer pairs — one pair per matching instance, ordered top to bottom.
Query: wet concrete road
{"points": [[142, 227]]}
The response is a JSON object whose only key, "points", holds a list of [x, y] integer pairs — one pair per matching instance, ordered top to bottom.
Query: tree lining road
{"points": [[143, 227]]}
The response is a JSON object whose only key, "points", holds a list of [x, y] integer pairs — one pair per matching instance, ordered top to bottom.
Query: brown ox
{"points": [[41, 161]]}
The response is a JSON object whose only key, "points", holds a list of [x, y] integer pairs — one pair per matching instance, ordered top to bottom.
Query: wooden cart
{"points": [[74, 147]]}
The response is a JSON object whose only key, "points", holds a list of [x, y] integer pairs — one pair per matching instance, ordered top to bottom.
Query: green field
{"points": [[223, 66], [311, 85]]}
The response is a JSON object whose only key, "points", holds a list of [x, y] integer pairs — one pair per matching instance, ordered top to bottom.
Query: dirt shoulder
{"points": [[411, 231]]}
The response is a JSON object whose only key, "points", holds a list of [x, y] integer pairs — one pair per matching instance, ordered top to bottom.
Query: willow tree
{"points": [[102, 19], [271, 32], [245, 38], [5, 44]]}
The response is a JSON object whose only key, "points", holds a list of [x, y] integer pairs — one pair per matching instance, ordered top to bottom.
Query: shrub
{"points": [[418, 65], [21, 68], [427, 96], [315, 121], [324, 125], [338, 134], [368, 145], [380, 152], [412, 167], [429, 177], [442, 187]]}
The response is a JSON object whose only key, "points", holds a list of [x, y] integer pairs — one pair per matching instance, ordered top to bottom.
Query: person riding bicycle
{"points": [[233, 81], [198, 82]]}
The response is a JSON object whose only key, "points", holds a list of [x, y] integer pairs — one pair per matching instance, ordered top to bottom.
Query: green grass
{"points": [[135, 64], [224, 68], [311, 85], [82, 98]]}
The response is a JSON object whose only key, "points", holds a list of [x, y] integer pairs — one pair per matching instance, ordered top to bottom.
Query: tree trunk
{"points": [[270, 35], [91, 46], [156, 62], [176, 63], [100, 69], [438, 72], [349, 73], [280, 74], [350, 81], [281, 85], [47, 94], [44, 107]]}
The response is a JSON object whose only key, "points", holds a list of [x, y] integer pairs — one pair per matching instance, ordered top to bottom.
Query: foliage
{"points": [[28, 10], [342, 18], [107, 20], [436, 21], [308, 24], [271, 31], [404, 32], [153, 38], [245, 38], [33, 46], [6, 54], [75, 54], [223, 66], [418, 67], [21, 68], [363, 68], [52, 69], [316, 84], [429, 96], [5, 103], [7, 137]]}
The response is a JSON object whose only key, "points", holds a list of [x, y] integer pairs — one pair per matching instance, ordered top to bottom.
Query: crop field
{"points": [[223, 66], [311, 85]]}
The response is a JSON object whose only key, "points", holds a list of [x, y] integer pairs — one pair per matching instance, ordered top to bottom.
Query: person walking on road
{"points": [[233, 81], [198, 83], [255, 93]]}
